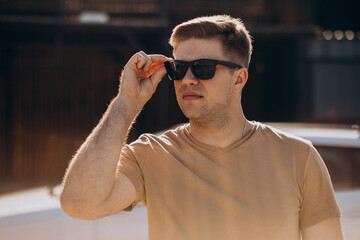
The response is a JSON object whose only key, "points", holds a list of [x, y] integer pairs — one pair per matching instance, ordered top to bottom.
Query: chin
{"points": [[193, 112], [190, 114], [195, 116]]}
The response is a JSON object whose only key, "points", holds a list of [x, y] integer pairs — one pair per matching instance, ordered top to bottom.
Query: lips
{"points": [[191, 96]]}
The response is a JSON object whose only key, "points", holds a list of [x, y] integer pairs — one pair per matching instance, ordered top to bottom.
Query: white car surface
{"points": [[36, 215]]}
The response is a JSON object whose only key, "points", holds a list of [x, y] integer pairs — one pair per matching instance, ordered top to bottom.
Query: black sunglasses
{"points": [[203, 69]]}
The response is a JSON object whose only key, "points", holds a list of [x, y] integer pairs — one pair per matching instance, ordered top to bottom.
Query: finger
{"points": [[142, 53], [136, 58], [159, 58], [154, 61], [140, 62], [157, 62], [148, 64], [153, 68], [157, 76]]}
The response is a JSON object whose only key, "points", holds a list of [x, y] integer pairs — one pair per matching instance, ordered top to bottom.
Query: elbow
{"points": [[68, 205], [75, 208]]}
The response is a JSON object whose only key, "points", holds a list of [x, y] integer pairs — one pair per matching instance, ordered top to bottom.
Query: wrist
{"points": [[126, 108]]}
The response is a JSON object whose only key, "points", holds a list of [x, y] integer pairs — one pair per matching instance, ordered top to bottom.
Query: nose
{"points": [[189, 78]]}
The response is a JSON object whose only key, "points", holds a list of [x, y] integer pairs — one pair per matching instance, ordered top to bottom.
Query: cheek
{"points": [[177, 86], [222, 90]]}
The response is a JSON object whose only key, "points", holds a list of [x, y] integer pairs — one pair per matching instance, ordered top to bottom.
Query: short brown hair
{"points": [[231, 31]]}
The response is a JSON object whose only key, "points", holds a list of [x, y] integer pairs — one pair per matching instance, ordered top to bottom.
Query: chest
{"points": [[243, 182]]}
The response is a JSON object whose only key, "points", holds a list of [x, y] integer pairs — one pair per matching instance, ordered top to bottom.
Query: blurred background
{"points": [[60, 61], [59, 66]]}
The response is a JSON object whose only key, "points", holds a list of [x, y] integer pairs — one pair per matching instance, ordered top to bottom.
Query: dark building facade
{"points": [[60, 62]]}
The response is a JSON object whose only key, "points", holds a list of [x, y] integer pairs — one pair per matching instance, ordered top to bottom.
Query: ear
{"points": [[240, 80]]}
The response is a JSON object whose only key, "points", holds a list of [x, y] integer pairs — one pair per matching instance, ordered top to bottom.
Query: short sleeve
{"points": [[131, 169], [318, 197]]}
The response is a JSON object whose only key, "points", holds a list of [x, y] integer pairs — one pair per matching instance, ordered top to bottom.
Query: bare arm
{"points": [[92, 185], [329, 229]]}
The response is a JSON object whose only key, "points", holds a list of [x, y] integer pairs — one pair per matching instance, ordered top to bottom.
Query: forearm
{"points": [[91, 173], [91, 188]]}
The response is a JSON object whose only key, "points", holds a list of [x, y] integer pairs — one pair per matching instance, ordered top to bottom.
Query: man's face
{"points": [[204, 100]]}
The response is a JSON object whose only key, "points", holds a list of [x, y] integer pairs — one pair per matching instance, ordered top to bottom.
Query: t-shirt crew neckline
{"points": [[194, 141]]}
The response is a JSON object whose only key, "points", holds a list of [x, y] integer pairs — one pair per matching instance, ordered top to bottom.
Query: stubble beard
{"points": [[214, 116]]}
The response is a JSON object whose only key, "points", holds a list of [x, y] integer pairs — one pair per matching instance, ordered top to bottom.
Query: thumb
{"points": [[157, 76]]}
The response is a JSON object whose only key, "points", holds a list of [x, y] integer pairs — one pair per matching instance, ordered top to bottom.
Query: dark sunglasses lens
{"points": [[203, 69], [176, 70]]}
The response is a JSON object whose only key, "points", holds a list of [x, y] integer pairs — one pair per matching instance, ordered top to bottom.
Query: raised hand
{"points": [[140, 78]]}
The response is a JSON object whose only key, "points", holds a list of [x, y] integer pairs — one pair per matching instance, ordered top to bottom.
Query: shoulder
{"points": [[276, 134], [167, 137], [275, 138], [149, 146]]}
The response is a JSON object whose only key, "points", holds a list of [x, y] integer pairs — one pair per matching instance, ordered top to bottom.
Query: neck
{"points": [[220, 134]]}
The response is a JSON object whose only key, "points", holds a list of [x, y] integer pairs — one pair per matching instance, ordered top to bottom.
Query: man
{"points": [[218, 177]]}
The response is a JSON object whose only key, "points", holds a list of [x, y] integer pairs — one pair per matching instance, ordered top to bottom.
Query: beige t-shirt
{"points": [[269, 185]]}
